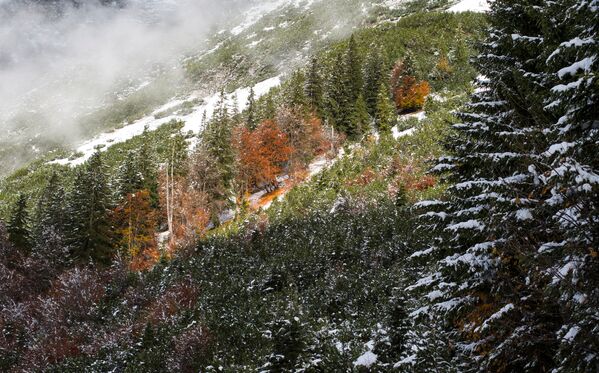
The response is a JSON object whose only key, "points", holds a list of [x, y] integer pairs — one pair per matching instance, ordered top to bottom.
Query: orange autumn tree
{"points": [[409, 94], [305, 134], [261, 155], [249, 160], [190, 210], [191, 217], [135, 221]]}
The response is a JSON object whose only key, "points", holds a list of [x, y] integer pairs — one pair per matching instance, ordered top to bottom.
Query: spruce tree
{"points": [[353, 71], [374, 75], [314, 88], [344, 90], [295, 96], [339, 103], [269, 107], [385, 111], [251, 117], [360, 119], [217, 137], [178, 154], [148, 170], [569, 176], [129, 177], [88, 210], [50, 215], [50, 223], [18, 225], [508, 237], [288, 344], [393, 345]]}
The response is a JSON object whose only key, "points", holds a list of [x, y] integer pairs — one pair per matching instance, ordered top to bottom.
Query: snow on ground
{"points": [[393, 4], [481, 6], [256, 13], [253, 15], [193, 121], [399, 134], [318, 165], [572, 333]]}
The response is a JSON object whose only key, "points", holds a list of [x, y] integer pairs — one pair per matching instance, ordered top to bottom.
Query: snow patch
{"points": [[480, 6], [584, 65], [193, 121], [397, 134], [523, 214], [470, 224], [497, 315], [572, 333], [366, 359]]}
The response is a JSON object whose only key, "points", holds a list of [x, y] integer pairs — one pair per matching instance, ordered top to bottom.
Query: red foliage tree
{"points": [[409, 94], [261, 155]]}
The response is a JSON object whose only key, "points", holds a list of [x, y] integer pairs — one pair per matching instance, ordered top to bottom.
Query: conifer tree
{"points": [[353, 71], [374, 75], [314, 88], [295, 95], [339, 102], [269, 108], [385, 112], [235, 115], [251, 119], [360, 119], [217, 138], [177, 153], [147, 168], [569, 175], [129, 177], [51, 205], [88, 209], [18, 225], [508, 236], [50, 246], [288, 344], [393, 346]]}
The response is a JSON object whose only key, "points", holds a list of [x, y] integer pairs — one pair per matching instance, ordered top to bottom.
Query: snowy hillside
{"points": [[90, 86]]}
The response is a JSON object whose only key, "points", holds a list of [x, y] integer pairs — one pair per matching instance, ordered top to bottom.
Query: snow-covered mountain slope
{"points": [[259, 38], [93, 94], [81, 99], [193, 120]]}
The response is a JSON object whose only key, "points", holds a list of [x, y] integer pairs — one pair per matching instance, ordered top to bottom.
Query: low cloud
{"points": [[62, 59]]}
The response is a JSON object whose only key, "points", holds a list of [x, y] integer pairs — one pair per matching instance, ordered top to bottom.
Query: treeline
{"points": [[102, 216]]}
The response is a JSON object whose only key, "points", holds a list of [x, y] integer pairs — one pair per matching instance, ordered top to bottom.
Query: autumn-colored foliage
{"points": [[443, 68], [409, 94], [305, 134], [261, 155], [408, 177], [365, 178], [189, 205], [191, 215], [136, 221], [181, 296]]}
